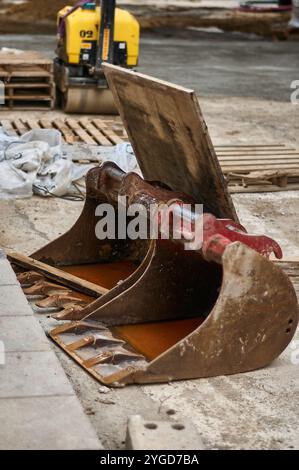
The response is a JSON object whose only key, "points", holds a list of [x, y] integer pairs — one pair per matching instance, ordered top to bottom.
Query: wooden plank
{"points": [[30, 56], [22, 60], [25, 67], [22, 73], [4, 74], [28, 85], [30, 98], [27, 106], [32, 123], [46, 123], [7, 124], [20, 126], [65, 130], [119, 130], [94, 132], [108, 132], [81, 133], [170, 137], [254, 146], [258, 152], [258, 156], [261, 156], [258, 161], [247, 167], [279, 179], [262, 188], [290, 262], [286, 263], [291, 269], [292, 272], [57, 275]]}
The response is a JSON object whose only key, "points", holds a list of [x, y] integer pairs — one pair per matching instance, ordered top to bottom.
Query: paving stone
{"points": [[7, 275], [13, 301], [22, 334], [33, 374], [45, 423], [161, 435]]}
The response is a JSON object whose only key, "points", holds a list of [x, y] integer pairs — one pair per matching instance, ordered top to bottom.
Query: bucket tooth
{"points": [[29, 278], [45, 288], [60, 301], [45, 310], [70, 313], [79, 327], [95, 340], [100, 340], [81, 343], [104, 357], [112, 357]]}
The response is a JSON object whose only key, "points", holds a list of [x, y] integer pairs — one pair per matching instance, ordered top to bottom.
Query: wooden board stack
{"points": [[27, 81], [259, 168]]}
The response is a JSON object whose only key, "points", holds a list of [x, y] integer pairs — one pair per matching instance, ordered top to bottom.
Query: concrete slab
{"points": [[7, 276], [13, 301], [22, 334], [28, 374], [38, 406], [255, 410], [45, 423], [162, 435]]}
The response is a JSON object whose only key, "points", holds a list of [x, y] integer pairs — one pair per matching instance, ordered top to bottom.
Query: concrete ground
{"points": [[213, 63], [244, 87], [36, 399]]}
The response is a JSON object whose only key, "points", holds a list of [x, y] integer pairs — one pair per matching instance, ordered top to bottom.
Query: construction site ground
{"points": [[40, 17], [244, 90]]}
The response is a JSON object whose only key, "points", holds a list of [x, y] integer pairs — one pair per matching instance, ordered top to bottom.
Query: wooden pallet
{"points": [[28, 81], [84, 130], [247, 168], [259, 168], [291, 268]]}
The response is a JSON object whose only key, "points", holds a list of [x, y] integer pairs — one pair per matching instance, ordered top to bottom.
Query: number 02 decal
{"points": [[86, 33]]}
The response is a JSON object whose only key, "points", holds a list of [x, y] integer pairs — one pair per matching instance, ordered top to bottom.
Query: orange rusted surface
{"points": [[106, 275], [152, 339]]}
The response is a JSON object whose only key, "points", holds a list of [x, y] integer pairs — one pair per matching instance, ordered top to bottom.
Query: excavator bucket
{"points": [[141, 310]]}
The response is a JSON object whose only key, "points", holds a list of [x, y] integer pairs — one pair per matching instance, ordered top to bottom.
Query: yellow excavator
{"points": [[90, 33]]}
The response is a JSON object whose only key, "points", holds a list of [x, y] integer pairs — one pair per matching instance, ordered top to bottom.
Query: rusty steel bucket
{"points": [[221, 309], [148, 310]]}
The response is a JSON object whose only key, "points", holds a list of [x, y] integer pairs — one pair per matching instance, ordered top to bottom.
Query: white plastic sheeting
{"points": [[294, 22], [123, 155], [34, 163]]}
